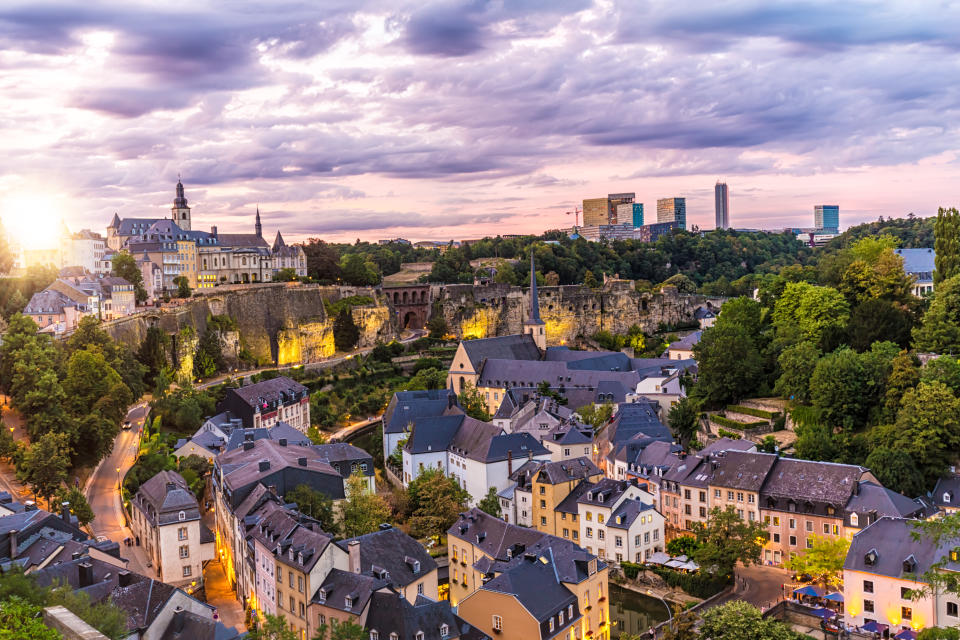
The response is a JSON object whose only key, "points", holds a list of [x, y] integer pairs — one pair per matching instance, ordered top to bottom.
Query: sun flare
{"points": [[33, 219]]}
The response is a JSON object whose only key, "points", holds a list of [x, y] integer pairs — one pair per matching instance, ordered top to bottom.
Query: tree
{"points": [[946, 231], [323, 261], [125, 266], [359, 272], [505, 273], [287, 274], [551, 279], [590, 280], [683, 283], [183, 286], [744, 312], [818, 313], [877, 320], [438, 326], [939, 331], [346, 334], [153, 353], [209, 357], [797, 364], [729, 365], [944, 369], [904, 375], [89, 378], [427, 379], [839, 389], [473, 403], [595, 415], [684, 420], [928, 428], [816, 442], [45, 464], [895, 469], [436, 500], [313, 503], [490, 503], [78, 504], [362, 511], [726, 539], [682, 546], [823, 561], [105, 616], [20, 619], [740, 620], [682, 625], [273, 628], [346, 630], [939, 633]]}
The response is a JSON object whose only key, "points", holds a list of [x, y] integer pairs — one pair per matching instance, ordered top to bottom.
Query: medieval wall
{"points": [[568, 311], [282, 324]]}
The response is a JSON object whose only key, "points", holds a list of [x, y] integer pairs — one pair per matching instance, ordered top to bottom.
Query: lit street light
{"points": [[669, 611]]}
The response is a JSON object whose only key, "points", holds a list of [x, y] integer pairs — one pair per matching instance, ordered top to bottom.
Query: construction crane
{"points": [[576, 216]]}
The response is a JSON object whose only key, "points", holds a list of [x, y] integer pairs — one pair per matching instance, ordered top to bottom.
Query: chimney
{"points": [[213, 231], [283, 442], [247, 446], [302, 462], [509, 462], [264, 465], [29, 505], [65, 511], [13, 543], [353, 548], [75, 555], [85, 574], [123, 578], [178, 615]]}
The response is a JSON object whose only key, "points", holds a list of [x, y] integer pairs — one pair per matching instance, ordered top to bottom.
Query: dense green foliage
{"points": [[947, 245], [125, 266], [346, 334], [435, 501], [726, 539], [739, 620]]}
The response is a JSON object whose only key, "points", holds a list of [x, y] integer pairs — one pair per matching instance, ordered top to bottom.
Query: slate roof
{"points": [[133, 226], [242, 240], [919, 262], [48, 301], [703, 312], [687, 341], [513, 347], [507, 373], [270, 391], [406, 406], [632, 418], [276, 432], [434, 433], [568, 434], [472, 438], [728, 444], [520, 445], [337, 453], [241, 467], [567, 470], [742, 470], [692, 471], [819, 482], [949, 485], [608, 488], [164, 496], [872, 498], [570, 503], [627, 512], [33, 524], [284, 533], [892, 542], [391, 549], [339, 584], [534, 584], [392, 613], [190, 626]]}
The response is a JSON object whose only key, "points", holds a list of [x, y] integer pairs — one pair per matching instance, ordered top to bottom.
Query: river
{"points": [[633, 612]]}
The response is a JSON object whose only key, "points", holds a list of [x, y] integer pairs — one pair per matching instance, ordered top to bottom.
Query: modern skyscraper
{"points": [[722, 198], [672, 210], [596, 211], [630, 213], [826, 217]]}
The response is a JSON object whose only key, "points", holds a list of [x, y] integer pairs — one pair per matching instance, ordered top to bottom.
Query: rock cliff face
{"points": [[568, 311], [282, 324]]}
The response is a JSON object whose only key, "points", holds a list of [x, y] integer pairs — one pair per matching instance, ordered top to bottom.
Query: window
{"points": [[566, 452], [543, 490], [716, 493], [686, 494], [729, 495], [703, 496], [739, 496], [751, 498], [543, 504], [703, 512], [182, 516], [589, 516], [600, 518], [543, 520], [854, 520], [793, 523], [809, 525], [826, 528], [589, 532], [182, 533], [566, 533], [600, 533], [576, 534], [656, 534], [776, 537], [618, 541], [793, 541], [809, 543], [184, 551], [187, 571], [290, 578], [300, 584], [868, 586], [420, 588], [904, 593], [279, 599], [868, 606], [952, 609], [302, 611], [570, 612], [906, 613], [560, 617], [497, 623], [551, 623], [444, 631], [374, 634], [419, 635], [394, 636]]}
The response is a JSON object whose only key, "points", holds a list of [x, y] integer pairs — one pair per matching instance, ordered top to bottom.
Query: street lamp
{"points": [[118, 478], [669, 611]]}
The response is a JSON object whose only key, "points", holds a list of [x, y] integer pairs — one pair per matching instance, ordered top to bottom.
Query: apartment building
{"points": [[267, 402], [541, 487], [619, 521], [392, 556]]}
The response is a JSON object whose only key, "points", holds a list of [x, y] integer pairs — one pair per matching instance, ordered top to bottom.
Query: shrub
{"points": [[750, 411], [733, 424], [723, 433], [630, 569], [700, 584]]}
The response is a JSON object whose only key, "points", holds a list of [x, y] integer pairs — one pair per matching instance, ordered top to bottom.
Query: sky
{"points": [[345, 119]]}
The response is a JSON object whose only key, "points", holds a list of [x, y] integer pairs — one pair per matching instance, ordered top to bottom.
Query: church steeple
{"points": [[180, 212], [258, 227], [533, 325]]}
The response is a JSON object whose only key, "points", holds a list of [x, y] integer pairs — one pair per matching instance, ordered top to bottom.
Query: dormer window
{"points": [[947, 496], [182, 516], [854, 520], [300, 558], [870, 559], [910, 564], [322, 595], [348, 602], [444, 631], [374, 634], [419, 635]]}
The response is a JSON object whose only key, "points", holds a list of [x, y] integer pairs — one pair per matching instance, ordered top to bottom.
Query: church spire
{"points": [[258, 227], [533, 325]]}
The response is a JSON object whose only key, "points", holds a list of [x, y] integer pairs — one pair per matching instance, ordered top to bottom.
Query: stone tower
{"points": [[180, 211], [533, 325]]}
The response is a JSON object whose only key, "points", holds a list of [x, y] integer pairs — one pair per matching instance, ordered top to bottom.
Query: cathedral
{"points": [[168, 248]]}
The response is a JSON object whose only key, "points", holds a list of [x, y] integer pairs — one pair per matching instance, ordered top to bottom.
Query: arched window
{"points": [[182, 516], [854, 519]]}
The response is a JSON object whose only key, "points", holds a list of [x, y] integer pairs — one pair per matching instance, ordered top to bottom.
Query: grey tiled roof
{"points": [[920, 262], [687, 341], [513, 347], [269, 390], [406, 406], [434, 433], [728, 444], [567, 470], [741, 470], [818, 482], [947, 487], [164, 496], [872, 498], [627, 512], [892, 542], [392, 549], [339, 584], [535, 585], [392, 613]]}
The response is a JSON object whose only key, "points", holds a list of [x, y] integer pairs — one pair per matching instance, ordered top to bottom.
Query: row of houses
{"points": [[77, 293]]}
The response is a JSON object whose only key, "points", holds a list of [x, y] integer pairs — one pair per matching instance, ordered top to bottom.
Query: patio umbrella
{"points": [[808, 590], [836, 597], [826, 614], [875, 627], [906, 634]]}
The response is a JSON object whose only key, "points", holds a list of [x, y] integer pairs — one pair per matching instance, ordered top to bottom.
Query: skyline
{"points": [[456, 120]]}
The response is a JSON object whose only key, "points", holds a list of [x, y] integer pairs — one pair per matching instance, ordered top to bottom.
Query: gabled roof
{"points": [[242, 240], [918, 261], [687, 342], [513, 347], [270, 391], [406, 406], [433, 434], [517, 445], [567, 470], [741, 470], [825, 482], [947, 487], [164, 496], [874, 498], [627, 513], [889, 543], [396, 552], [534, 583], [339, 584], [392, 613]]}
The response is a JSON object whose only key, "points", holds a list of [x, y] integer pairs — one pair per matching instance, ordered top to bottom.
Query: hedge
{"points": [[750, 411], [733, 424], [723, 433], [630, 569], [700, 584]]}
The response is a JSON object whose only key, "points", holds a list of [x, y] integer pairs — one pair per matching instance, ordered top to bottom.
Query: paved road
{"points": [[341, 435], [103, 494]]}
